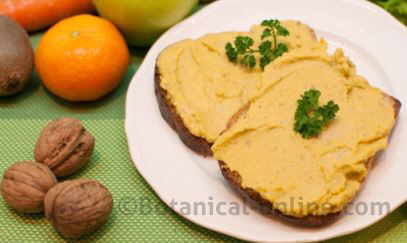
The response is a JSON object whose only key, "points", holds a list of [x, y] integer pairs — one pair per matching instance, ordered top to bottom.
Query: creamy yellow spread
{"points": [[206, 88], [299, 176], [308, 176]]}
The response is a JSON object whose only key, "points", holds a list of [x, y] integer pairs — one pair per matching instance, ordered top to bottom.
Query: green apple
{"points": [[142, 21]]}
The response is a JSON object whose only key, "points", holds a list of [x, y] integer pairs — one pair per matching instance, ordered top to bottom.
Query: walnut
{"points": [[64, 146], [25, 184], [78, 207]]}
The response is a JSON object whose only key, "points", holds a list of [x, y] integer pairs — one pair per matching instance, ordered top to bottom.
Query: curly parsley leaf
{"points": [[282, 31], [266, 33], [243, 44], [265, 47], [280, 49], [241, 50], [231, 52], [249, 61], [310, 118]]}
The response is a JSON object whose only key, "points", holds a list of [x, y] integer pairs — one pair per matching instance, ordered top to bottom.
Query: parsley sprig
{"points": [[242, 52], [310, 118]]}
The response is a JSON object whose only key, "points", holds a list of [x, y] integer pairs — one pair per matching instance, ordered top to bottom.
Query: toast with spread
{"points": [[198, 89], [295, 137], [307, 180]]}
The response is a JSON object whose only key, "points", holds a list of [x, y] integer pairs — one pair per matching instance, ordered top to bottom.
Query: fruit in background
{"points": [[35, 15], [143, 21], [16, 57], [82, 58]]}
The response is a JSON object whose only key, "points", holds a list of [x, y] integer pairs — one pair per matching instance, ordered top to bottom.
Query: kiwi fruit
{"points": [[16, 57]]}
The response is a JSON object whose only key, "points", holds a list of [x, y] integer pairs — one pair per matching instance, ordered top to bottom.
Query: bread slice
{"points": [[170, 112], [202, 145], [256, 201]]}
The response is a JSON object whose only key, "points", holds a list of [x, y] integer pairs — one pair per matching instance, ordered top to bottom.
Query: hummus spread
{"points": [[206, 88], [308, 176]]}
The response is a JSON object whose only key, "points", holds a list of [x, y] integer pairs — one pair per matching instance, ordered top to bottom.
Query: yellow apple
{"points": [[142, 21]]}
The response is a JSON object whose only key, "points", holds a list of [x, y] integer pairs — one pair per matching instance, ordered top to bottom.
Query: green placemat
{"points": [[23, 116]]}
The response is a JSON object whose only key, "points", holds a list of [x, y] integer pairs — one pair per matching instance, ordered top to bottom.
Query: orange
{"points": [[82, 58]]}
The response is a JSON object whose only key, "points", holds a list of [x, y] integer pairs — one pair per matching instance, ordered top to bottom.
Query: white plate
{"points": [[373, 39]]}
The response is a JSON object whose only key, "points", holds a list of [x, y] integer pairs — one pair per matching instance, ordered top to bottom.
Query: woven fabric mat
{"points": [[23, 116]]}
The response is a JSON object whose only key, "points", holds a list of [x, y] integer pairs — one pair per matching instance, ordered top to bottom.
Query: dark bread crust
{"points": [[396, 106], [170, 115], [257, 202]]}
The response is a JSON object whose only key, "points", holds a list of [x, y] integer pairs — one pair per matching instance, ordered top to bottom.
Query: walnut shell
{"points": [[64, 146], [25, 184], [78, 207]]}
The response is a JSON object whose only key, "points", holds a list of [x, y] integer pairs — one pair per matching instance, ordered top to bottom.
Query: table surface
{"points": [[138, 214]]}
